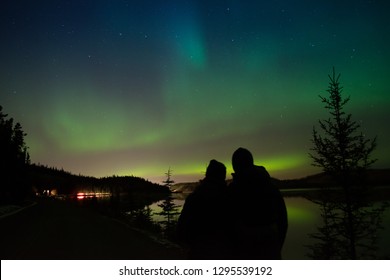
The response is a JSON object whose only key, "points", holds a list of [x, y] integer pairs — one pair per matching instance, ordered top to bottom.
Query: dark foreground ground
{"points": [[59, 230]]}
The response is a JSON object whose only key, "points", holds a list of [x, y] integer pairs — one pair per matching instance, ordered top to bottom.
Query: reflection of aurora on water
{"points": [[303, 217]]}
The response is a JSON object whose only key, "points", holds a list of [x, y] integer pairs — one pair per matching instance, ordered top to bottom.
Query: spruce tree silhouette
{"points": [[14, 160], [169, 209], [350, 220]]}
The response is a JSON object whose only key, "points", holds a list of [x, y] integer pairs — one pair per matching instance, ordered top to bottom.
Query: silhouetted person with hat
{"points": [[259, 215], [202, 222]]}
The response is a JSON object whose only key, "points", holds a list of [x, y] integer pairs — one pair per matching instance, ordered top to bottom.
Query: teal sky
{"points": [[135, 87]]}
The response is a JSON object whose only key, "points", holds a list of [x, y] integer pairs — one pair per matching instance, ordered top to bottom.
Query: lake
{"points": [[303, 217]]}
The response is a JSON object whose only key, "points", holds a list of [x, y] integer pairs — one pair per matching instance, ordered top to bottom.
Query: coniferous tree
{"points": [[341, 150], [14, 159], [168, 181], [169, 209], [142, 218], [350, 220]]}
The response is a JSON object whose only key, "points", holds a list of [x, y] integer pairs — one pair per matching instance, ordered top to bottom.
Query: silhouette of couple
{"points": [[245, 220]]}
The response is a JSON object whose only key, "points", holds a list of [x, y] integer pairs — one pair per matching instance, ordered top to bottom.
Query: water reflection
{"points": [[89, 195], [178, 199], [304, 217]]}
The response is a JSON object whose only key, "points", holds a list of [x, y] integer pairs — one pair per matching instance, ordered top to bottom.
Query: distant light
{"points": [[80, 195]]}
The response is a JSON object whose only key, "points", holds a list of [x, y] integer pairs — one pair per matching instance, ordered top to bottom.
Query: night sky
{"points": [[135, 87]]}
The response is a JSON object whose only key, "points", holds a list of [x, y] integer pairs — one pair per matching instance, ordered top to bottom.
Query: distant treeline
{"points": [[372, 177], [63, 182]]}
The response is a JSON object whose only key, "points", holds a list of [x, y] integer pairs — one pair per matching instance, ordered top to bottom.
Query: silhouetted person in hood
{"points": [[259, 213], [202, 222]]}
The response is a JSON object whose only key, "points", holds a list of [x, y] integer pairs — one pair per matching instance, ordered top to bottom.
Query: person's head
{"points": [[242, 160], [216, 171]]}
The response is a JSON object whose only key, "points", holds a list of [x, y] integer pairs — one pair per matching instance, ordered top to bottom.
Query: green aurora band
{"points": [[133, 89]]}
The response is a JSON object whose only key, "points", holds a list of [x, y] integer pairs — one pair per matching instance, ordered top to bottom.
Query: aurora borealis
{"points": [[135, 87]]}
